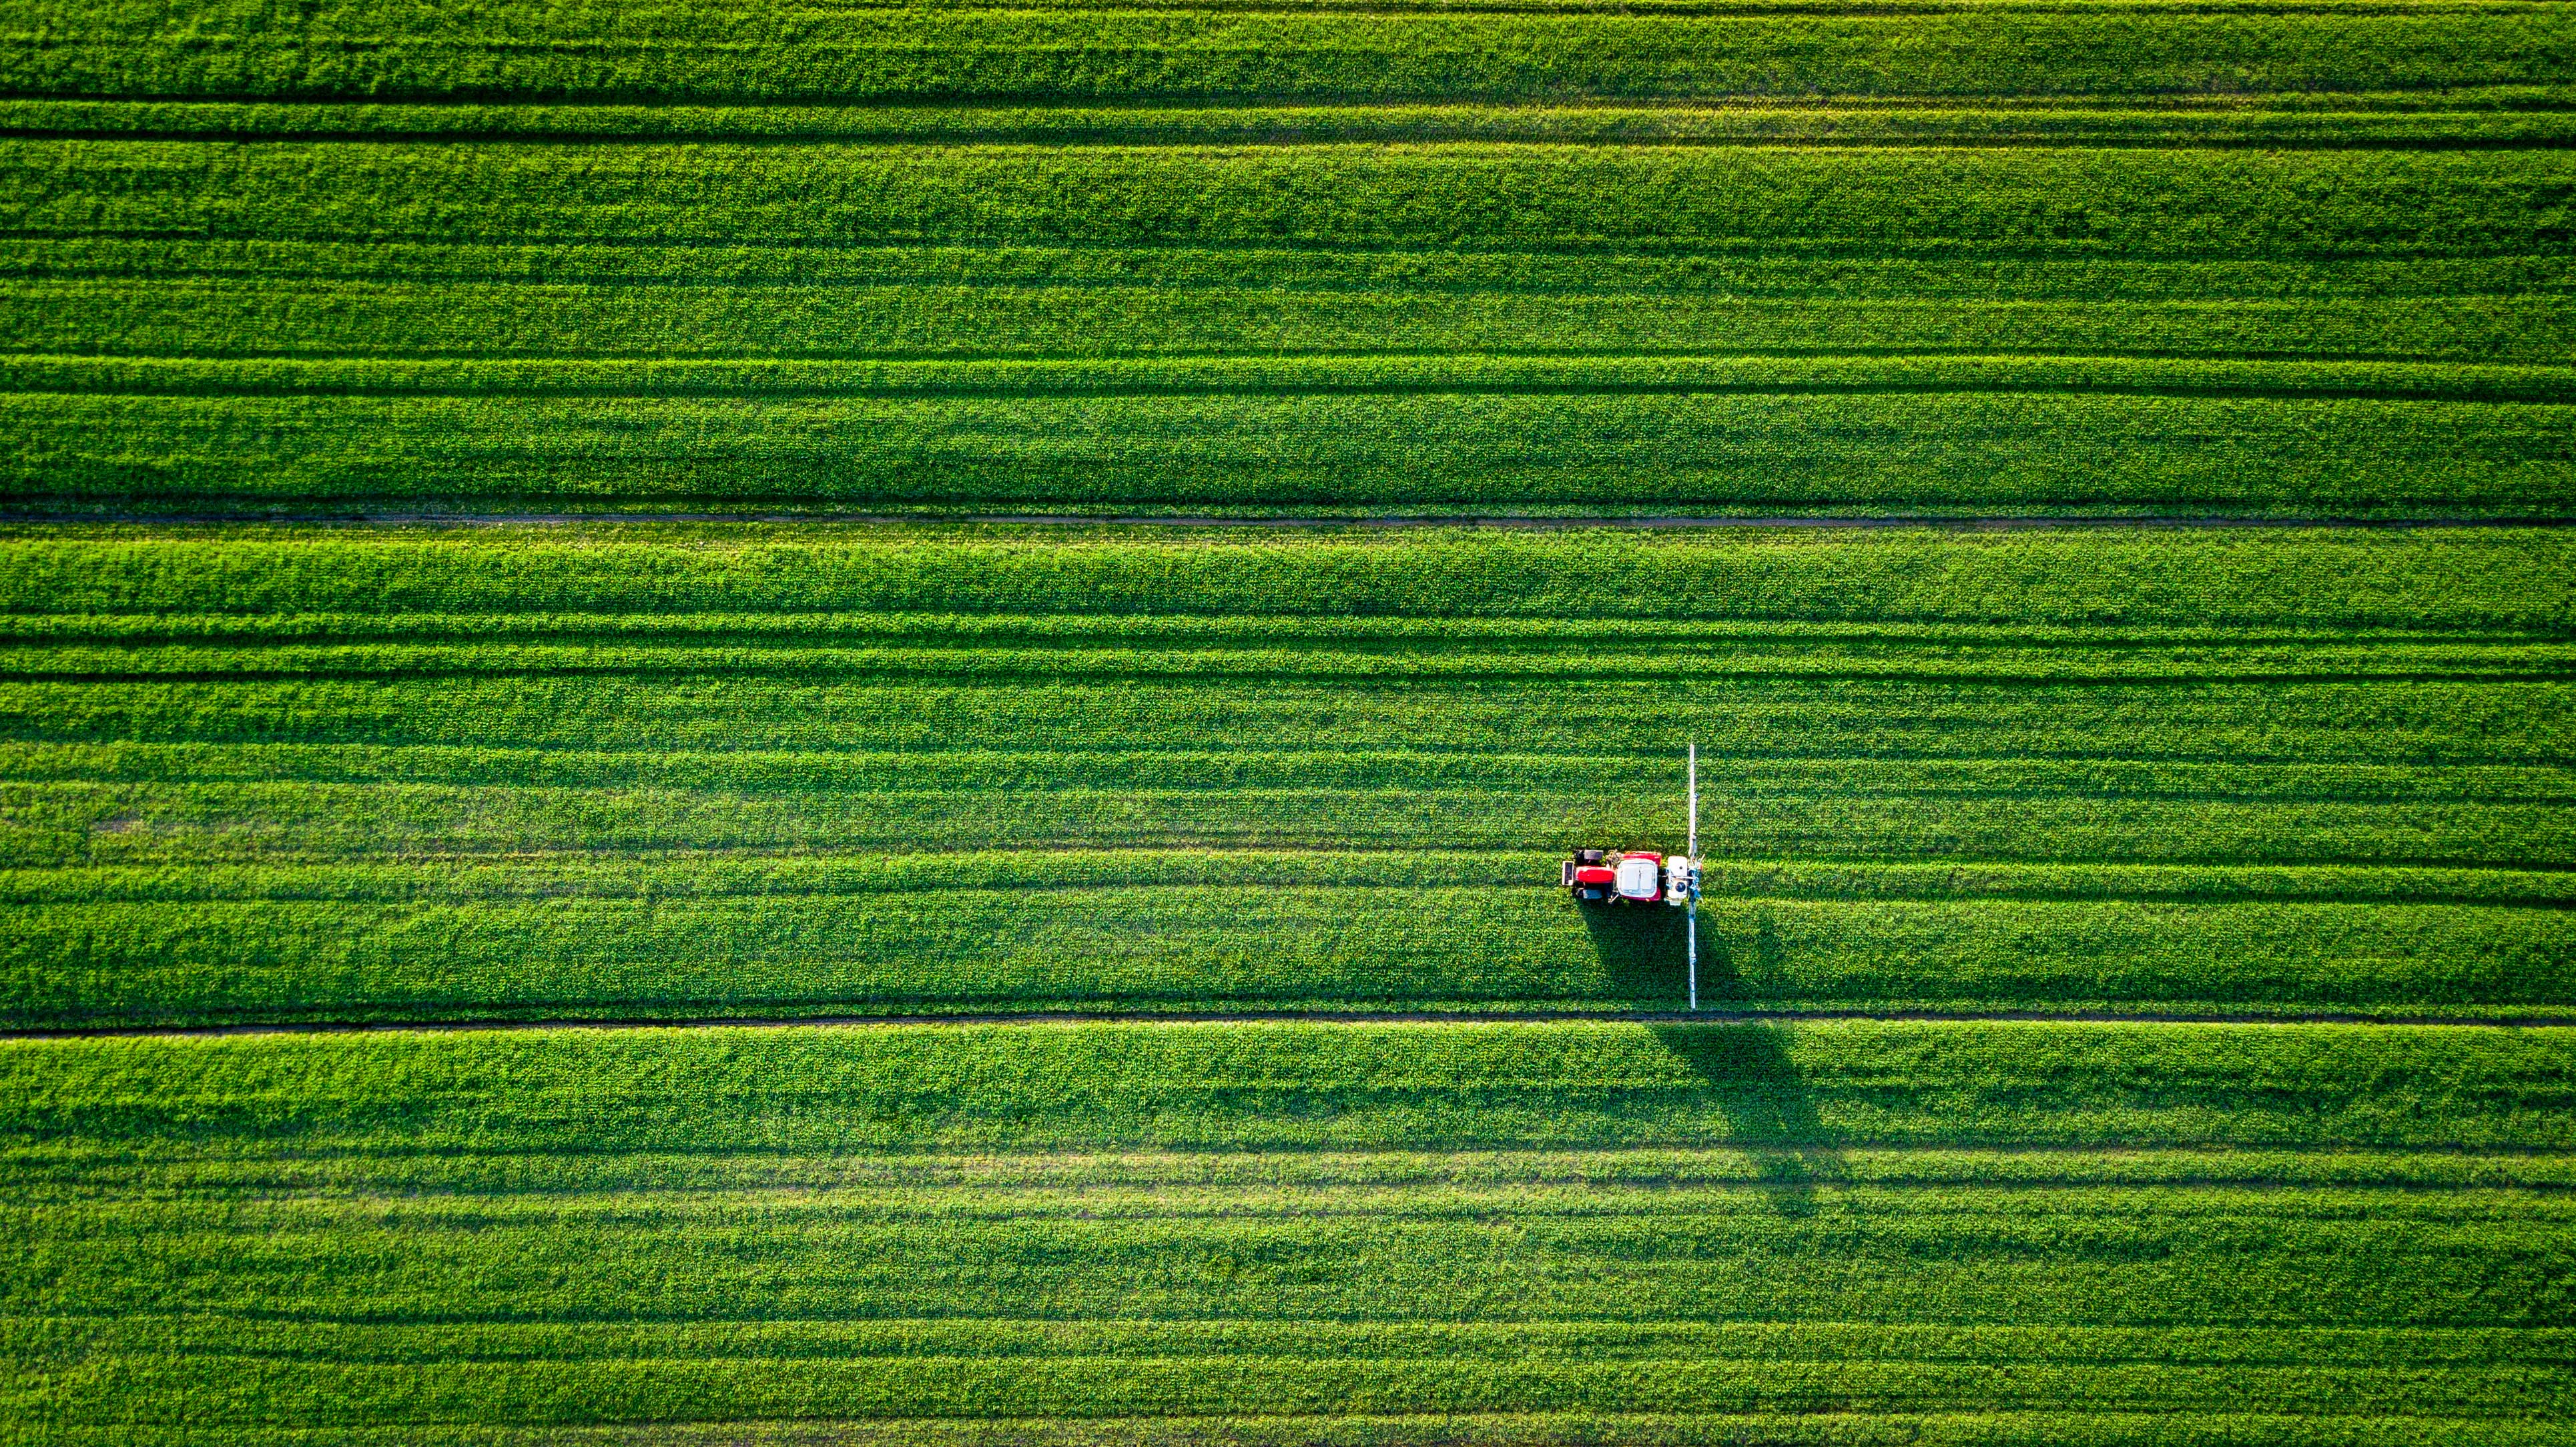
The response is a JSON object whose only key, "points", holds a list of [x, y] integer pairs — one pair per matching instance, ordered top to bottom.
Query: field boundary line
{"points": [[1316, 1017]]}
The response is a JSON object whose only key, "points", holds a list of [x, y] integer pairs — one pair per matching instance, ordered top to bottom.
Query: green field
{"points": [[1537, 256], [710, 730], [530, 773], [548, 774], [1341, 1233], [1546, 1233]]}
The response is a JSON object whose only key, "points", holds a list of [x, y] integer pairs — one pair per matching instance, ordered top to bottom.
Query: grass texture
{"points": [[1453, 258], [1569, 258], [613, 773], [1537, 1233]]}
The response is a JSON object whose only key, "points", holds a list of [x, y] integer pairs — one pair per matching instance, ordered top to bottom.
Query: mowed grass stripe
{"points": [[730, 53], [2464, 116], [1675, 201], [2093, 277], [149, 324], [1794, 372], [2072, 452], [2502, 579], [1416, 631], [2429, 662], [1801, 723], [1251, 767], [69, 823], [579, 876], [1156, 945], [1284, 1086], [1459, 1181], [1733, 1343], [305, 1389], [1530, 1429]]}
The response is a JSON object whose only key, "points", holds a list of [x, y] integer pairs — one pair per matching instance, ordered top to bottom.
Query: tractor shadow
{"points": [[1641, 952], [1643, 959], [1744, 1067]]}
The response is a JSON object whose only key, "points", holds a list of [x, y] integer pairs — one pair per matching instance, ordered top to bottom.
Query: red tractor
{"points": [[1600, 876]]}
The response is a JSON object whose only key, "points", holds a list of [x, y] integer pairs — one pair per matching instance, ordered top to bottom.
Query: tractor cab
{"points": [[1641, 878]]}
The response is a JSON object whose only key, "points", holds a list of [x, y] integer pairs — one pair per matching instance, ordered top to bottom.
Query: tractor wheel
{"points": [[1587, 856]]}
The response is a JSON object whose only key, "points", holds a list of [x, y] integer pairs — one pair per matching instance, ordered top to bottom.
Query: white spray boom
{"points": [[1691, 877]]}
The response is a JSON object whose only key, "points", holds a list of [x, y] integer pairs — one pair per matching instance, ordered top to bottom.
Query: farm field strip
{"points": [[682, 53], [2461, 117], [1754, 205], [2030, 278], [1566, 314], [1943, 358], [1767, 452], [2484, 580], [2425, 662], [2402, 728], [2128, 729], [1182, 768], [480, 776], [182, 821], [61, 824], [587, 875], [1197, 949], [1111, 1087], [1887, 1219]]}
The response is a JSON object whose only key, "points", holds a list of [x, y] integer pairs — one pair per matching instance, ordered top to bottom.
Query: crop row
{"points": [[701, 53], [2477, 115], [2136, 203], [1481, 268], [451, 319], [1364, 380], [1956, 450], [2471, 580], [146, 634], [1424, 660], [1744, 724], [1183, 763], [189, 822], [825, 878], [1409, 939], [1290, 1086], [1437, 1181], [1789, 1345], [299, 1382]]}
